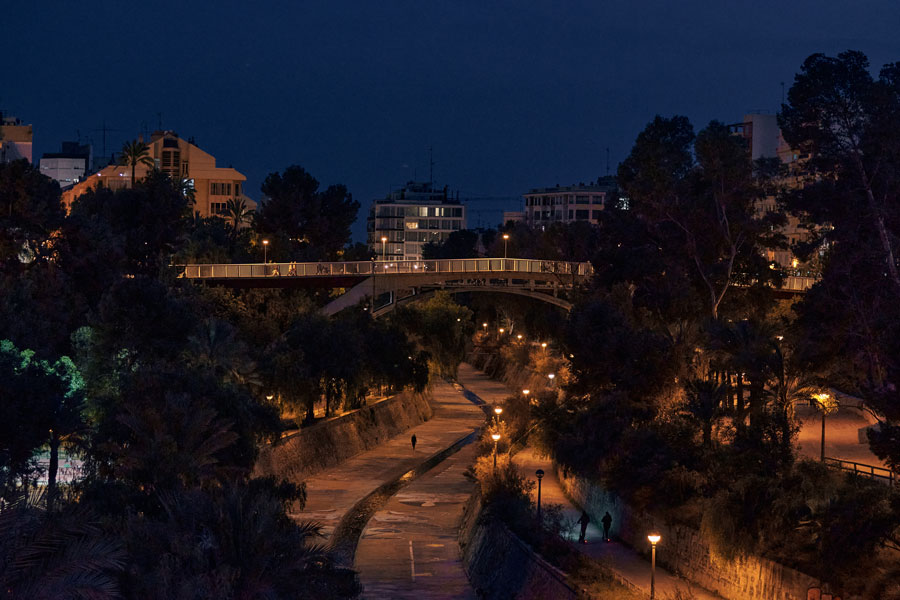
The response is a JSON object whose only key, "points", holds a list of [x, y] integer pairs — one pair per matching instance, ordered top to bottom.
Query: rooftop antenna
{"points": [[105, 129]]}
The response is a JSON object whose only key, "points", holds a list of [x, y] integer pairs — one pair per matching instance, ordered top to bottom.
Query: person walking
{"points": [[413, 440], [584, 520], [607, 522]]}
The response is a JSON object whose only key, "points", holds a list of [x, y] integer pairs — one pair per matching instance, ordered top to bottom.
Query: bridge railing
{"points": [[365, 268], [878, 473]]}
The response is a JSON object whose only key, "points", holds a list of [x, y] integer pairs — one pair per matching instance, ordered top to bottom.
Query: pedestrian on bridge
{"points": [[413, 440]]}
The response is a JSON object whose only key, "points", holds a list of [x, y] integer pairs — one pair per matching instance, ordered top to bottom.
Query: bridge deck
{"points": [[352, 271]]}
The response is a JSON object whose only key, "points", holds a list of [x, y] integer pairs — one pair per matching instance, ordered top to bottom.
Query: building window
{"points": [[581, 214]]}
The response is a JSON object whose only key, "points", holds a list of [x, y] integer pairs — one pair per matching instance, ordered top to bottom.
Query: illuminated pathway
{"points": [[625, 562]]}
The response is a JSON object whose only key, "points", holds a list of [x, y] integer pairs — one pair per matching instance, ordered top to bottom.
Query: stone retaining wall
{"points": [[331, 442], [684, 551], [500, 565]]}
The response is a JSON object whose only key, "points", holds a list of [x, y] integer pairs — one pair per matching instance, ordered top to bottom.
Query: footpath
{"points": [[630, 567]]}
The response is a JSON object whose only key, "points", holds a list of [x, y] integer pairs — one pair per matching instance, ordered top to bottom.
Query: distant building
{"points": [[762, 134], [16, 140], [764, 140], [69, 166], [213, 186], [581, 202], [514, 216], [409, 218]]}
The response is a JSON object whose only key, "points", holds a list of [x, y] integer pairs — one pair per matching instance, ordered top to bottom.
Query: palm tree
{"points": [[135, 152], [237, 212], [704, 402], [63, 555]]}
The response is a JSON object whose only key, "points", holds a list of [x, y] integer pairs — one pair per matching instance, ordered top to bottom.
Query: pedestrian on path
{"points": [[413, 440], [584, 520], [607, 522]]}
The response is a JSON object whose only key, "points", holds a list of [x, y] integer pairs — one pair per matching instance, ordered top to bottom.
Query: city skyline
{"points": [[508, 96]]}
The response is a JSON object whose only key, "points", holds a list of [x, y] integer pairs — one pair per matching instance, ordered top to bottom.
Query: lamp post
{"points": [[505, 240], [383, 248], [265, 251], [519, 337], [552, 378], [525, 393], [498, 410], [496, 438], [540, 475], [654, 539]]}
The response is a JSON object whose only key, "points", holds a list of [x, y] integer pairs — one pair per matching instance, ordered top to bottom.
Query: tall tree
{"points": [[134, 153], [698, 197], [316, 222]]}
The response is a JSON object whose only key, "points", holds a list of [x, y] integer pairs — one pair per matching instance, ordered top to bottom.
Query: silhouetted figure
{"points": [[292, 271], [413, 440], [584, 520], [607, 522]]}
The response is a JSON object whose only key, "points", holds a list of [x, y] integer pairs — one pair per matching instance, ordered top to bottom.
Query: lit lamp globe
{"points": [[502, 330], [544, 345], [551, 376], [526, 392], [498, 410], [495, 437], [654, 538]]}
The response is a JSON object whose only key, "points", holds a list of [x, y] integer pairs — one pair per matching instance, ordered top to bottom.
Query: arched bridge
{"points": [[386, 283]]}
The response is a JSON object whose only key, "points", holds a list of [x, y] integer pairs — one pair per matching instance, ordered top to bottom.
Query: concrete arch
{"points": [[549, 299]]}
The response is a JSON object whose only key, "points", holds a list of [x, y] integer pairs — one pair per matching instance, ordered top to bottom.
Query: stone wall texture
{"points": [[331, 442], [684, 551], [500, 565]]}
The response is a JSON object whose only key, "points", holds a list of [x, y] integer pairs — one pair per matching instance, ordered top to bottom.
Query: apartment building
{"points": [[16, 139], [213, 186], [566, 204], [408, 218]]}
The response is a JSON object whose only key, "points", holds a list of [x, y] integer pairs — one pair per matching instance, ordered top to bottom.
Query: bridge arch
{"points": [[425, 295]]}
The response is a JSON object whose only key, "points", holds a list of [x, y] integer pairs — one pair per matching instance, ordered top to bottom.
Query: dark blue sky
{"points": [[511, 95]]}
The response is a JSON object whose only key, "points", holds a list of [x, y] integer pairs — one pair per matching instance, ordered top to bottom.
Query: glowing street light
{"points": [[505, 240], [383, 248], [265, 251], [484, 325], [502, 330], [519, 337], [544, 345], [525, 392], [496, 438], [540, 475], [654, 539]]}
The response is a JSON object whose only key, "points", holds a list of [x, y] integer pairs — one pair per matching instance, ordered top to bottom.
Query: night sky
{"points": [[510, 95]]}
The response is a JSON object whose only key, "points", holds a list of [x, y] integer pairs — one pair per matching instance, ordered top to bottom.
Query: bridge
{"points": [[387, 284]]}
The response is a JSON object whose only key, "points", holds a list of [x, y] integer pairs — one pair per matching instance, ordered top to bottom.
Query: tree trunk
{"points": [[739, 400], [52, 469]]}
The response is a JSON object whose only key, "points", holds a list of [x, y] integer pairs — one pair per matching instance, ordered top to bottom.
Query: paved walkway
{"points": [[331, 493], [410, 548], [628, 564]]}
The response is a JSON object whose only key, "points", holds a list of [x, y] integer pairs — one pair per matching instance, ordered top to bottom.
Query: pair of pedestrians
{"points": [[585, 519]]}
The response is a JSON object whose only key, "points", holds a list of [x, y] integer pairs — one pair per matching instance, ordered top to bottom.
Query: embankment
{"points": [[331, 442], [684, 551], [500, 565]]}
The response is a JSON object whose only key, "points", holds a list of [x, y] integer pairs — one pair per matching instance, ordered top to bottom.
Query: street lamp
{"points": [[505, 240], [383, 248], [265, 251], [502, 330], [519, 337], [551, 377], [525, 392], [498, 410], [496, 438], [540, 475], [654, 539]]}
